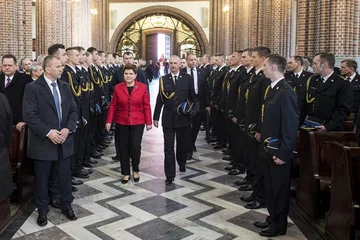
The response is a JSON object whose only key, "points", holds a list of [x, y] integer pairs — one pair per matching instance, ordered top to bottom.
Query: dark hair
{"points": [[71, 48], [79, 48], [52, 50], [91, 50], [249, 50], [262, 51], [100, 52], [239, 52], [128, 53], [190, 54], [115, 55], [9, 56], [327, 57], [298, 59], [47, 60], [279, 61], [350, 63], [130, 66]]}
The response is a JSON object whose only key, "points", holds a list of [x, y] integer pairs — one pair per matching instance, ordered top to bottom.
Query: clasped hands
{"points": [[58, 137]]}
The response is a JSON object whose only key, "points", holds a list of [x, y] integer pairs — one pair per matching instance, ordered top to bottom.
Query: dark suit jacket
{"points": [[355, 85], [202, 89], [183, 91], [15, 93], [328, 103], [40, 115], [280, 120], [6, 184]]}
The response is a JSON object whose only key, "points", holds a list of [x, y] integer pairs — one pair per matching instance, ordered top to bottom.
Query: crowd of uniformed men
{"points": [[242, 98]]}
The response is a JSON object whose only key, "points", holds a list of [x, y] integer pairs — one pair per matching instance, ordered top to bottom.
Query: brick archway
{"points": [[165, 10]]}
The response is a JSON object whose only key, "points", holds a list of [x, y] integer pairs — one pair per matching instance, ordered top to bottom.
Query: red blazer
{"points": [[130, 110]]}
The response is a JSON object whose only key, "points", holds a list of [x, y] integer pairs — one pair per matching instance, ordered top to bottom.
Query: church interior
{"points": [[203, 202]]}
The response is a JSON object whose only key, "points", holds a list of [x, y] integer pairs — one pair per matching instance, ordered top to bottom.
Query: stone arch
{"points": [[165, 10]]}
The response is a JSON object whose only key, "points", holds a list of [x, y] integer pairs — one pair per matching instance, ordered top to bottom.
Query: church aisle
{"points": [[203, 202]]}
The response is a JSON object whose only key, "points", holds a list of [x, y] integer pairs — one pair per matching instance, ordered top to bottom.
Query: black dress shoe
{"points": [[212, 139], [101, 146], [218, 146], [224, 150], [227, 152], [95, 155], [188, 156], [115, 158], [227, 158], [93, 161], [87, 164], [229, 168], [182, 169], [87, 171], [236, 171], [80, 174], [136, 179], [169, 181], [76, 182], [240, 183], [245, 187], [74, 189], [249, 198], [55, 203], [254, 205], [69, 213], [42, 220], [262, 224], [271, 232]]}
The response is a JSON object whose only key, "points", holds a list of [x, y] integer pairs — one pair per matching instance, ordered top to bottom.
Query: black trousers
{"points": [[195, 126], [90, 133], [129, 142], [182, 148], [79, 149], [239, 150], [256, 167], [43, 169], [54, 182], [277, 185]]}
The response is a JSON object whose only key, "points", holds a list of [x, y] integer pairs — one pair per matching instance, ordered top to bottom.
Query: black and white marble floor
{"points": [[203, 202]]}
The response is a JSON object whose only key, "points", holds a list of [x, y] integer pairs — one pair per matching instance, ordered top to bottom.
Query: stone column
{"points": [[81, 23]]}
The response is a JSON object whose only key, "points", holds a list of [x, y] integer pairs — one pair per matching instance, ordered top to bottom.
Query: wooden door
{"points": [[151, 47]]}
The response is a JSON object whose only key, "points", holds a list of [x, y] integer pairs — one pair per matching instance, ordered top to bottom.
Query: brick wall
{"points": [[15, 28]]}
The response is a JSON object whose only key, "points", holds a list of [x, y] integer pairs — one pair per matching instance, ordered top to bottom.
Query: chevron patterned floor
{"points": [[203, 202]]}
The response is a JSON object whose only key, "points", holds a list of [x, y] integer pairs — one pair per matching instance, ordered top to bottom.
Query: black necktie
{"points": [[192, 72], [175, 80]]}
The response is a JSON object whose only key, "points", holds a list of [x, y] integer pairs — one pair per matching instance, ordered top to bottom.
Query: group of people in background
{"points": [[74, 102]]}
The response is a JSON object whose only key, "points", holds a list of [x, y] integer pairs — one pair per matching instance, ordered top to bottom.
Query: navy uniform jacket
{"points": [[73, 79], [215, 82], [298, 84], [355, 85], [171, 96], [255, 98], [328, 103], [240, 108], [40, 115], [280, 119]]}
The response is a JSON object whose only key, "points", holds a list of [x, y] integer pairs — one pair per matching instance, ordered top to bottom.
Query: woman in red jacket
{"points": [[130, 110]]}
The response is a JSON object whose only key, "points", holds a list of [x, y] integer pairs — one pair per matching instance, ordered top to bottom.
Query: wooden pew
{"points": [[315, 166], [22, 167], [343, 217]]}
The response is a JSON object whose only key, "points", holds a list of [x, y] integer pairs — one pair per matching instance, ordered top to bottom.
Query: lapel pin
{"points": [[332, 80], [277, 88]]}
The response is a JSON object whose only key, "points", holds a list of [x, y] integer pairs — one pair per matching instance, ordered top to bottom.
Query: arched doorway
{"points": [[183, 33]]}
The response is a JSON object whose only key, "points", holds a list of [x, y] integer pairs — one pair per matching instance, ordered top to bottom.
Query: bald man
{"points": [[175, 89]]}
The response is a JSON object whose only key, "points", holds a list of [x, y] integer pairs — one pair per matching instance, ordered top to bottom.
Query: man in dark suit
{"points": [[205, 64], [348, 69], [119, 74], [297, 77], [12, 84], [175, 89], [201, 91], [329, 97], [51, 114], [279, 120], [6, 183]]}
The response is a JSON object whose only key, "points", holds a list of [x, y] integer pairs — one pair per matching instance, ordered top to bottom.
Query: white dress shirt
{"points": [[195, 78]]}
